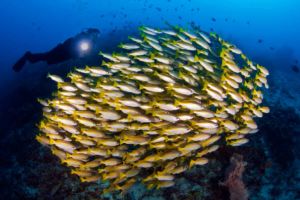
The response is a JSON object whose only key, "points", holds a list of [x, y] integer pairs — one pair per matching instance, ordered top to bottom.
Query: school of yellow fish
{"points": [[153, 110]]}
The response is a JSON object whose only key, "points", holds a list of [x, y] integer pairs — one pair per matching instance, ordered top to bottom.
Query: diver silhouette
{"points": [[75, 47]]}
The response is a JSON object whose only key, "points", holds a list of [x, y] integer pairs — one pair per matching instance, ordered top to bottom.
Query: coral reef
{"points": [[234, 182]]}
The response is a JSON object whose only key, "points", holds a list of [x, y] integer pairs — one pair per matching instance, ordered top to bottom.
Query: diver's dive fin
{"points": [[21, 62]]}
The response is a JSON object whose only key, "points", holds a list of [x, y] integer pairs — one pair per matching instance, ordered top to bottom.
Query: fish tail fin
{"points": [[141, 28], [180, 29], [143, 35], [121, 45], [152, 55], [196, 58], [104, 63], [180, 74], [115, 83], [141, 87], [176, 102], [153, 103], [118, 106], [51, 141], [191, 164], [151, 186]]}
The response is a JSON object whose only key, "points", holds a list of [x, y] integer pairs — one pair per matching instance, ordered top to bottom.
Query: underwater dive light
{"points": [[84, 46]]}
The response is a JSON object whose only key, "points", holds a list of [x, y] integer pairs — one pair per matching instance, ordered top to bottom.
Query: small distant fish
{"points": [[213, 19], [259, 40], [295, 68]]}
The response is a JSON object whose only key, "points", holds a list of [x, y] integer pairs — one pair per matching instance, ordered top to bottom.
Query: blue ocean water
{"points": [[266, 31]]}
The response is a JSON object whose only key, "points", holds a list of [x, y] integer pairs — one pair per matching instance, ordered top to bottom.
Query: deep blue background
{"points": [[39, 25]]}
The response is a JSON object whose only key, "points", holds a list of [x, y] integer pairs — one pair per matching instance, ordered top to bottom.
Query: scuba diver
{"points": [[75, 47]]}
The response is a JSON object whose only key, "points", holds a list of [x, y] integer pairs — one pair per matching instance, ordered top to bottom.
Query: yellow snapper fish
{"points": [[153, 109]]}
